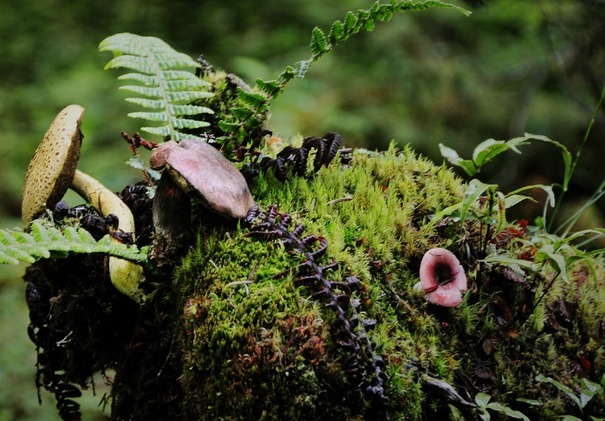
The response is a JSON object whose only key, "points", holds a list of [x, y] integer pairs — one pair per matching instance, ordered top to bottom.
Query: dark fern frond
{"points": [[163, 85], [294, 160], [18, 246], [363, 365], [67, 407]]}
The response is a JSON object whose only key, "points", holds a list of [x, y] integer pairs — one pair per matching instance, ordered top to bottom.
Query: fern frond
{"points": [[362, 20], [163, 83], [250, 105], [44, 239]]}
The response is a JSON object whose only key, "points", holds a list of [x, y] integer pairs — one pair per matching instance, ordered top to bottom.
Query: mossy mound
{"points": [[308, 310], [256, 341], [259, 342]]}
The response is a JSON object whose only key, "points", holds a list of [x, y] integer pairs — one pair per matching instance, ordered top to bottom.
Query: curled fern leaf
{"points": [[163, 84], [18, 246]]}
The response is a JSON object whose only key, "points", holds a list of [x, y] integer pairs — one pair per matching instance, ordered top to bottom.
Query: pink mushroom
{"points": [[442, 277]]}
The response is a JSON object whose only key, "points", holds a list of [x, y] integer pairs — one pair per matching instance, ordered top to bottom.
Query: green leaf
{"points": [[350, 22], [369, 25], [337, 32], [319, 42], [166, 83], [270, 87], [251, 99], [242, 113], [228, 127], [490, 148], [452, 156], [567, 158], [548, 189], [474, 190], [515, 199], [599, 232], [44, 239], [556, 260], [509, 261], [565, 389], [589, 390], [482, 399], [532, 402], [512, 413]]}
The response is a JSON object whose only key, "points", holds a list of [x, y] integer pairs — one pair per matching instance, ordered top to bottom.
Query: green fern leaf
{"points": [[383, 13], [351, 23], [337, 32], [319, 42], [164, 83], [270, 87], [252, 99], [242, 113], [229, 127], [45, 240]]}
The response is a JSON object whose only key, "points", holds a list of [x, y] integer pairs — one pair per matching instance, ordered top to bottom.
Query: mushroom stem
{"points": [[102, 199], [171, 212], [125, 275]]}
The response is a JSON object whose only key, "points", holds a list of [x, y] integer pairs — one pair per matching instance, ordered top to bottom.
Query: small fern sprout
{"points": [[52, 171], [442, 277]]}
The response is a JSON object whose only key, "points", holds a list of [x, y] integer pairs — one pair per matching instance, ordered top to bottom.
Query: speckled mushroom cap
{"points": [[52, 168], [203, 172]]}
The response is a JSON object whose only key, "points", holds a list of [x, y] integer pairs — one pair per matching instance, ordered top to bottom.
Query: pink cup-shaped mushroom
{"points": [[442, 277]]}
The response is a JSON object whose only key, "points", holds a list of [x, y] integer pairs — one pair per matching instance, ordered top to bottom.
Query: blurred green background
{"points": [[423, 78]]}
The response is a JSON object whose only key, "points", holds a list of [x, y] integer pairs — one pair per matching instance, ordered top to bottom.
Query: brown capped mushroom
{"points": [[53, 165], [52, 171], [202, 172]]}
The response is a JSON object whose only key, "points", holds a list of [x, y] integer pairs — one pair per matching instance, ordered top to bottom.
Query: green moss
{"points": [[233, 332], [256, 344]]}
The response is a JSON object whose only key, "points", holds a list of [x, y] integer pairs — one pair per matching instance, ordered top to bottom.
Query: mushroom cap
{"points": [[157, 160], [53, 165], [203, 172], [442, 277], [445, 296]]}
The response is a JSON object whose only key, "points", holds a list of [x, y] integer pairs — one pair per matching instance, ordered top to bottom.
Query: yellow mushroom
{"points": [[52, 171]]}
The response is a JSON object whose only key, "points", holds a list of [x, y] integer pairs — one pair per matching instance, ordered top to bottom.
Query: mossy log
{"points": [[308, 310]]}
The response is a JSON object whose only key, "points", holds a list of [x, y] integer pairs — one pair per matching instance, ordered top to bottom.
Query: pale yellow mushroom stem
{"points": [[125, 275]]}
